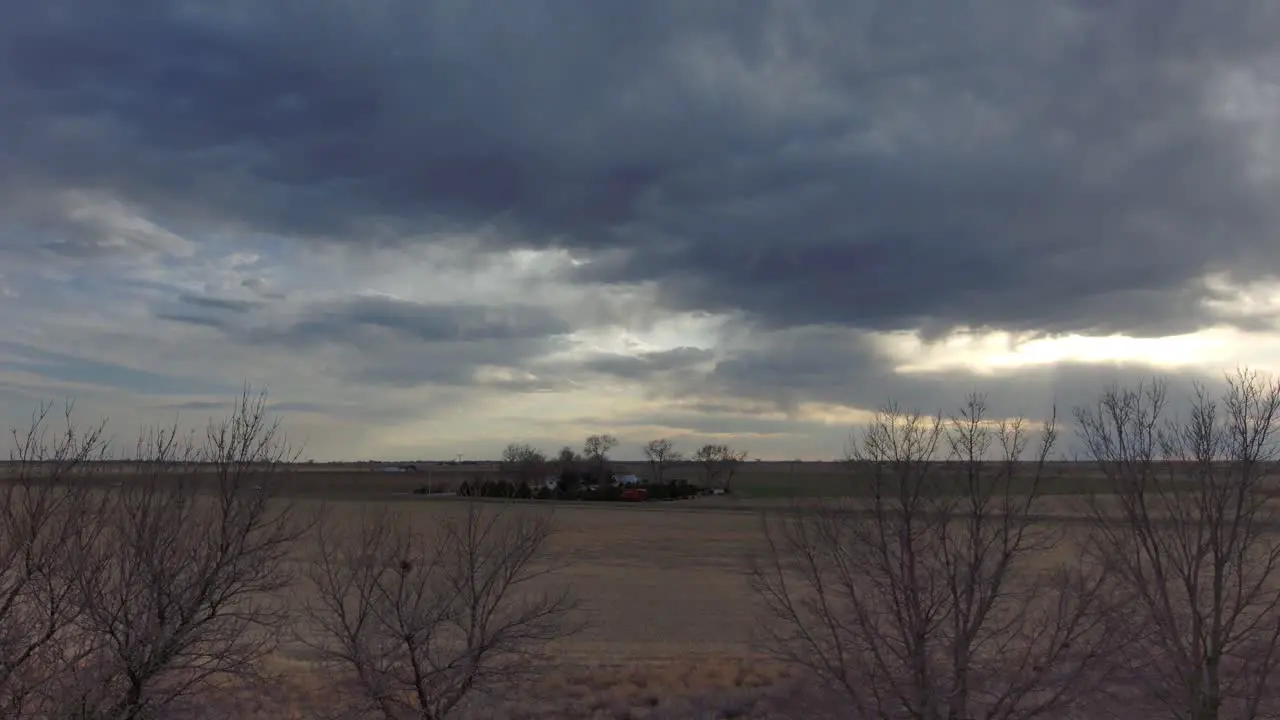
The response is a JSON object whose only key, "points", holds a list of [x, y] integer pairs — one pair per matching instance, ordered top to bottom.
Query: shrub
{"points": [[568, 485], [658, 491], [606, 493]]}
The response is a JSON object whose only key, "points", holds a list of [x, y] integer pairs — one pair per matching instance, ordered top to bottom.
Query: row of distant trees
{"points": [[715, 464]]}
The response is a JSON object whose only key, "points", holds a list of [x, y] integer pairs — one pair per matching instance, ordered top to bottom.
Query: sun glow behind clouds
{"points": [[1215, 348], [987, 353]]}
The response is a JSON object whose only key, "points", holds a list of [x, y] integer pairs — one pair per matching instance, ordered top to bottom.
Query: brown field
{"points": [[663, 586], [670, 614], [671, 618]]}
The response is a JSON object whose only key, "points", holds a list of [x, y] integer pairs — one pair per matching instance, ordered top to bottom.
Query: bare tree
{"points": [[596, 449], [660, 452], [567, 461], [524, 464], [719, 464], [48, 524], [1194, 539], [183, 597], [935, 597], [423, 620]]}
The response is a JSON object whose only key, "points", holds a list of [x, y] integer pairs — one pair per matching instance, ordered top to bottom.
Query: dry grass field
{"points": [[663, 586], [671, 616], [670, 620]]}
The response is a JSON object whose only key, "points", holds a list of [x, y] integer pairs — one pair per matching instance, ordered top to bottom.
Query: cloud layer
{"points": [[441, 224]]}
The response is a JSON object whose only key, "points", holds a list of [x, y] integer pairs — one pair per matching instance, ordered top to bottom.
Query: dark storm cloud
{"points": [[1046, 166], [259, 287], [217, 303], [224, 314], [352, 319], [209, 321], [387, 341], [63, 367]]}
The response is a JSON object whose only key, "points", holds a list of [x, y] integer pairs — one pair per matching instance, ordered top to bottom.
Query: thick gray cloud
{"points": [[874, 164], [217, 303], [218, 313], [354, 319], [395, 342], [646, 365], [63, 367]]}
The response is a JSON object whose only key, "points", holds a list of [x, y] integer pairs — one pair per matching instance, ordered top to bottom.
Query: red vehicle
{"points": [[635, 495]]}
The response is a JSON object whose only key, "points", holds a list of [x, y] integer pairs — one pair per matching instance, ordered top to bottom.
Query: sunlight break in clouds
{"points": [[989, 353]]}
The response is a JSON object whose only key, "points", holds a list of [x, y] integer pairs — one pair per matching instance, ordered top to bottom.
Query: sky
{"points": [[436, 227]]}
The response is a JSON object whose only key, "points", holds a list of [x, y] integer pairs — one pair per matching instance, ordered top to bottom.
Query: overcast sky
{"points": [[434, 227]]}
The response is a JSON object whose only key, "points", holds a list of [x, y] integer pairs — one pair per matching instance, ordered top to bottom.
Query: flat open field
{"points": [[663, 585], [665, 589], [670, 611]]}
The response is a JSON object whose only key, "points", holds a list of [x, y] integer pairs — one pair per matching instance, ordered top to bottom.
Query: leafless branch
{"points": [[596, 449], [660, 453], [524, 464], [719, 464], [47, 533], [1194, 539], [191, 557], [938, 597], [423, 619]]}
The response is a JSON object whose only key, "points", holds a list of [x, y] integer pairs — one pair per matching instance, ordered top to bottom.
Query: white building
{"points": [[626, 480]]}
